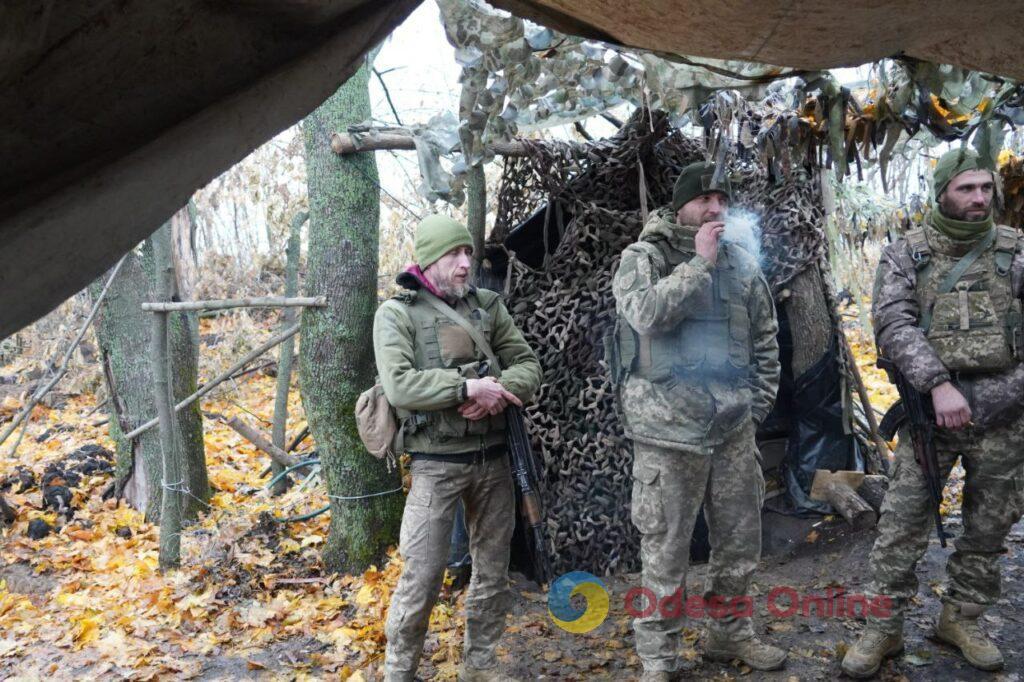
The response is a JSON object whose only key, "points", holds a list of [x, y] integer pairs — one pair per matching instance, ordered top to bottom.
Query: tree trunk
{"points": [[476, 212], [184, 257], [808, 318], [124, 335], [336, 357], [284, 362]]}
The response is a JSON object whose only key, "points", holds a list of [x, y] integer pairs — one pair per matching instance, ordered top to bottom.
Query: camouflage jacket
{"points": [[896, 311], [682, 412]]}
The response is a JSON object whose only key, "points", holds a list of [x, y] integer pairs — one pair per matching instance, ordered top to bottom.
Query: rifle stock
{"points": [[920, 423], [524, 471]]}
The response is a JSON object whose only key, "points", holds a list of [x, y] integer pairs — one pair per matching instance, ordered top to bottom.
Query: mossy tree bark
{"points": [[476, 212], [124, 334], [336, 353]]}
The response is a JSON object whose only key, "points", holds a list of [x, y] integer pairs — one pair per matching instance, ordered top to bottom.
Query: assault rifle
{"points": [[916, 411], [524, 471], [526, 477]]}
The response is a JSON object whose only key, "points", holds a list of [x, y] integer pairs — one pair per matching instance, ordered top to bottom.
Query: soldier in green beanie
{"points": [[947, 313], [696, 363], [454, 431]]}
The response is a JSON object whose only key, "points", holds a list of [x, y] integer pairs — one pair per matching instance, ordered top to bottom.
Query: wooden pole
{"points": [[397, 139], [263, 302], [284, 363], [220, 378], [256, 438], [882, 463], [172, 479]]}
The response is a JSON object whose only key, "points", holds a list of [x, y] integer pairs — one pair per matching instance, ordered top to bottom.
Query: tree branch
{"points": [[396, 138], [262, 302], [62, 370], [222, 377]]}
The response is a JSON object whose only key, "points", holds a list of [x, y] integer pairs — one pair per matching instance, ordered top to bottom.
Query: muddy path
{"points": [[536, 649]]}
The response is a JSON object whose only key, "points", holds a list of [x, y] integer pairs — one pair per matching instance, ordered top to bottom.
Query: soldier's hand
{"points": [[706, 241], [490, 395], [951, 408], [473, 411]]}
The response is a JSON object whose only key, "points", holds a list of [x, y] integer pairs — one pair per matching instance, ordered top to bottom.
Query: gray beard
{"points": [[455, 291]]}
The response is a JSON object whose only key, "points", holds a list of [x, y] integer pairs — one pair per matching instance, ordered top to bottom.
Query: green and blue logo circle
{"points": [[571, 618]]}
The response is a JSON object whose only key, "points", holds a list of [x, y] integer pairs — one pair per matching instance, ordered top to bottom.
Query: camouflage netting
{"points": [[565, 306]]}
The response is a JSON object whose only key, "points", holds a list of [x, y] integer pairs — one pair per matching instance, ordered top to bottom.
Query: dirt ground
{"points": [[815, 643], [534, 648]]}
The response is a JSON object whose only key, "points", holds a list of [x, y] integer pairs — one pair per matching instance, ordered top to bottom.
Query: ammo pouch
{"points": [[969, 334], [620, 345]]}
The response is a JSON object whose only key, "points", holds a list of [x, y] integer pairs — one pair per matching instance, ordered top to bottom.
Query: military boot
{"points": [[958, 625], [755, 653], [865, 657], [468, 674]]}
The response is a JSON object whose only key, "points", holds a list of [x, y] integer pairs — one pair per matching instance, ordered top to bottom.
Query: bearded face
{"points": [[968, 196], [707, 208], [450, 273]]}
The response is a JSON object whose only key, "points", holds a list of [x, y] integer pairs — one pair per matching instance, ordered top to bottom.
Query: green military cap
{"points": [[953, 163], [695, 180], [436, 235]]}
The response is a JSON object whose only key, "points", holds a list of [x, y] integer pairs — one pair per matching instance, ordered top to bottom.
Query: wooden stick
{"points": [[397, 138], [262, 302], [284, 362], [62, 370], [220, 378], [252, 435], [882, 465], [172, 477]]}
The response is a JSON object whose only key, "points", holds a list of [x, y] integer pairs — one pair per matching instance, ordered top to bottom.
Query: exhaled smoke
{"points": [[743, 228]]}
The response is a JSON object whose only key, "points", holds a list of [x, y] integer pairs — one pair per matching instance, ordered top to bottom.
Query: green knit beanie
{"points": [[951, 164], [695, 180], [436, 235]]}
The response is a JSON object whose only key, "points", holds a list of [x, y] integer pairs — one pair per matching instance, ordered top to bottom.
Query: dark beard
{"points": [[960, 215]]}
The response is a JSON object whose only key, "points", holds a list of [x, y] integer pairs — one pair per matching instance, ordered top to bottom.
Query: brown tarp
{"points": [[983, 35], [112, 113]]}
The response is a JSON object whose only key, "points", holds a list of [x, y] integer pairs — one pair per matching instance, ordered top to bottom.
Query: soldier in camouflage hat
{"points": [[947, 313], [696, 360], [454, 430]]}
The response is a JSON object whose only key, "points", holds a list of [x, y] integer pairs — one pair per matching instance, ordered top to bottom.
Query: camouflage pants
{"points": [[993, 488], [668, 489], [487, 491]]}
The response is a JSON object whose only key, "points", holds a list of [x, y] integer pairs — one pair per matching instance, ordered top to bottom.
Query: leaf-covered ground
{"points": [[252, 599]]}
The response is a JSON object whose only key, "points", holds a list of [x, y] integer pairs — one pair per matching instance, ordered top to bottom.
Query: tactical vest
{"points": [[968, 311], [713, 341], [439, 343]]}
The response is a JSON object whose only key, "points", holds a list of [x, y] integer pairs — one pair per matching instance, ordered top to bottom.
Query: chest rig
{"points": [[969, 313], [712, 342], [439, 343]]}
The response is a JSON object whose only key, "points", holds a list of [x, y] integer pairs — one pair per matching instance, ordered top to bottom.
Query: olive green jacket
{"points": [[424, 360]]}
